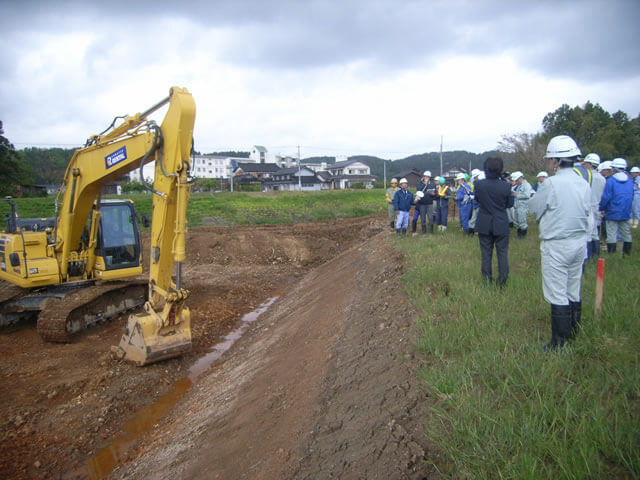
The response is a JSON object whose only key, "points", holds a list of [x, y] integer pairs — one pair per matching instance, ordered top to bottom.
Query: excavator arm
{"points": [[163, 330]]}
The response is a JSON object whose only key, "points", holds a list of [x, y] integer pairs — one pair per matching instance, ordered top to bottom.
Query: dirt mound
{"points": [[322, 386]]}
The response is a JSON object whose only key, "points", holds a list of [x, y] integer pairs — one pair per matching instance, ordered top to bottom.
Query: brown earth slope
{"points": [[322, 385]]}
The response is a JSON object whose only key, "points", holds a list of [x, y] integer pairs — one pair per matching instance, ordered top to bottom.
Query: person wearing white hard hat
{"points": [[591, 163], [604, 169], [476, 174], [541, 177], [391, 192], [522, 192], [402, 202], [465, 202], [616, 204], [635, 205], [424, 206], [562, 207]]}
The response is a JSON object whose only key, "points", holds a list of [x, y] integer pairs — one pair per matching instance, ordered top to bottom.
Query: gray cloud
{"points": [[594, 39]]}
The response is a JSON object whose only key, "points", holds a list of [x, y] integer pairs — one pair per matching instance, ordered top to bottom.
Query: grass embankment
{"points": [[244, 208], [506, 409]]}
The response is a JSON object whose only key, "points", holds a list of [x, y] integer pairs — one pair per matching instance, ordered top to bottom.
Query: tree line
{"points": [[591, 126]]}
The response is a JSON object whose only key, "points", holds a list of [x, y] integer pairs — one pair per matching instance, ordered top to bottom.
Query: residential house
{"points": [[258, 154], [345, 174], [413, 176], [294, 179]]}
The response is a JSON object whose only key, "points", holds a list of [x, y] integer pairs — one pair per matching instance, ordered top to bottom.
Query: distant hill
{"points": [[429, 161]]}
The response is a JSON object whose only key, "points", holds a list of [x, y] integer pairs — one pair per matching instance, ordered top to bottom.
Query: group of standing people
{"points": [[583, 200], [430, 204]]}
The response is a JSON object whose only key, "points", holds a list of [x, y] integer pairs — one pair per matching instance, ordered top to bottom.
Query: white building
{"points": [[202, 166]]}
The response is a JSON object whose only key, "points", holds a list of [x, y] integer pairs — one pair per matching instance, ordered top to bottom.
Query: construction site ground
{"points": [[324, 383]]}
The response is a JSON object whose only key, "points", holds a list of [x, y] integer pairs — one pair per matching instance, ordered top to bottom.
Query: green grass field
{"points": [[244, 208], [506, 409]]}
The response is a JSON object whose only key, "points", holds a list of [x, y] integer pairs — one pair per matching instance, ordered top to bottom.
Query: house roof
{"points": [[260, 148], [346, 163], [258, 167], [405, 173]]}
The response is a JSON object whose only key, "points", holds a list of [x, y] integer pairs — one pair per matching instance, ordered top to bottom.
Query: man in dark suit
{"points": [[494, 196]]}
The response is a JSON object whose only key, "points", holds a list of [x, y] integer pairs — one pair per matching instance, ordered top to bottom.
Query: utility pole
{"points": [[384, 168], [441, 172], [299, 178]]}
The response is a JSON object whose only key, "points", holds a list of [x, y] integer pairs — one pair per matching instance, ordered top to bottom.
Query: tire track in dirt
{"points": [[324, 385]]}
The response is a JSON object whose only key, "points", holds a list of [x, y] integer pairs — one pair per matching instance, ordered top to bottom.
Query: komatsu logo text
{"points": [[116, 157]]}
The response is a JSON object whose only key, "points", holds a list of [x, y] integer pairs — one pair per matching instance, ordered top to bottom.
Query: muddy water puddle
{"points": [[109, 457]]}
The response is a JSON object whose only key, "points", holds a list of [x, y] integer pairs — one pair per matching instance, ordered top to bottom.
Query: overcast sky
{"points": [[337, 77]]}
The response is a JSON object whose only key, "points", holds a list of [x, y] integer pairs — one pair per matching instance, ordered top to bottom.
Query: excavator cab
{"points": [[118, 236], [118, 250]]}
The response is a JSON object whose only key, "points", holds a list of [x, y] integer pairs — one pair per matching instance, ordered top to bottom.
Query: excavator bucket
{"points": [[148, 340]]}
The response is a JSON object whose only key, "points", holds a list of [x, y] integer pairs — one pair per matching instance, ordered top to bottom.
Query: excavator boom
{"points": [[93, 245]]}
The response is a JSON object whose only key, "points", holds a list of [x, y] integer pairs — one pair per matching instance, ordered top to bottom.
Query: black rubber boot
{"points": [[391, 224], [414, 224], [431, 227], [424, 228], [398, 231], [404, 231], [471, 231], [524, 232], [519, 233], [595, 247], [611, 248], [626, 248], [589, 249], [576, 314], [560, 327]]}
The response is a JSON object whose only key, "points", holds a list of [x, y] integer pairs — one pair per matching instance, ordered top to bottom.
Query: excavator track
{"points": [[61, 319]]}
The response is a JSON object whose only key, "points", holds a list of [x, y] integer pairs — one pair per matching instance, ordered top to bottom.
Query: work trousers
{"points": [[425, 211], [392, 213], [442, 213], [464, 213], [520, 215], [474, 217], [403, 220], [621, 226], [593, 234], [501, 243], [562, 269]]}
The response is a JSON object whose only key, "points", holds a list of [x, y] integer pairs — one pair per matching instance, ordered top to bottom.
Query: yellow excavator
{"points": [[70, 271]]}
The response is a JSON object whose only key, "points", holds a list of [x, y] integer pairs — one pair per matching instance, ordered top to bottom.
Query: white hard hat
{"points": [[562, 146], [593, 158], [619, 163], [606, 165], [634, 170], [475, 172], [427, 173], [542, 174], [481, 175], [516, 175], [460, 176], [394, 180], [403, 180], [419, 194]]}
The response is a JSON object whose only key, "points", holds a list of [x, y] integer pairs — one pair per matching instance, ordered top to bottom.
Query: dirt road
{"points": [[323, 384]]}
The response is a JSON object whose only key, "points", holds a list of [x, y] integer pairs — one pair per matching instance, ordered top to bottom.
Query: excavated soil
{"points": [[323, 384]]}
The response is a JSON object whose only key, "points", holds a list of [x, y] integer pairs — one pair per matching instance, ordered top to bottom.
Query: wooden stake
{"points": [[599, 287]]}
